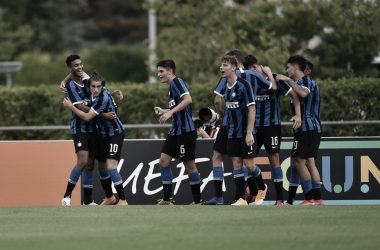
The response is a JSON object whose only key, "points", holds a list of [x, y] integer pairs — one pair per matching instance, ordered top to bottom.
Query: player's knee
{"points": [[217, 158], [274, 160], [163, 163], [82, 164], [90, 166], [190, 166]]}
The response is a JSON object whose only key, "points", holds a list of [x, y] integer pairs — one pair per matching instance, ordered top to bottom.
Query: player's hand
{"points": [[266, 70], [280, 77], [62, 87], [117, 93], [66, 102], [158, 110], [109, 115], [164, 117], [297, 122], [249, 140]]}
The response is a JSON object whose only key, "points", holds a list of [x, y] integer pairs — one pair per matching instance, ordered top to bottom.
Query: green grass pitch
{"points": [[190, 227]]}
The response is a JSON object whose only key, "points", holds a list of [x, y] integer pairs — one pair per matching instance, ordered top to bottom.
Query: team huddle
{"points": [[252, 119]]}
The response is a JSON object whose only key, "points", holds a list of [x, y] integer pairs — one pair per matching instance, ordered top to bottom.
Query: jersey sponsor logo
{"points": [[262, 97], [171, 103], [232, 105]]}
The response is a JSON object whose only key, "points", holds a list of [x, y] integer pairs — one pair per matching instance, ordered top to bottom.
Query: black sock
{"points": [[260, 182], [107, 186], [252, 186], [218, 187], [240, 187], [278, 187], [69, 189], [196, 190], [120, 191], [168, 193], [317, 193], [291, 194], [309, 195], [87, 199]]}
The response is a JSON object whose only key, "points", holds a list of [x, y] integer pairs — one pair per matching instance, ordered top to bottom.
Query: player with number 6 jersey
{"points": [[181, 140]]}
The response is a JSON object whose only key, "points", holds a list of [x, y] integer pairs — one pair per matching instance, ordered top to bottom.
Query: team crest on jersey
{"points": [[233, 94], [86, 102], [171, 103], [79, 144]]}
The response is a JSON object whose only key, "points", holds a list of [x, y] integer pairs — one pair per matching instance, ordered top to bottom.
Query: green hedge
{"points": [[342, 100]]}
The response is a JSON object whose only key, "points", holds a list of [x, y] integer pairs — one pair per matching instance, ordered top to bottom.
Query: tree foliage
{"points": [[12, 40]]}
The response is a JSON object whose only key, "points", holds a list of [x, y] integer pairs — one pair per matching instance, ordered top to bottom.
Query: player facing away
{"points": [[240, 105], [268, 121], [83, 132], [110, 135], [305, 137], [181, 140], [220, 145], [294, 177]]}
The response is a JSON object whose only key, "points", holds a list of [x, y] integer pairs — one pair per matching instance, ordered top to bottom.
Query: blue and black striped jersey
{"points": [[256, 80], [218, 90], [79, 94], [238, 98], [105, 103], [268, 104], [307, 105], [317, 109], [181, 121]]}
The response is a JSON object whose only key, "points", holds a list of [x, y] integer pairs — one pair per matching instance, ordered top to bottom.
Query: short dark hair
{"points": [[238, 54], [71, 58], [229, 59], [250, 60], [299, 60], [309, 63], [167, 64], [97, 78]]}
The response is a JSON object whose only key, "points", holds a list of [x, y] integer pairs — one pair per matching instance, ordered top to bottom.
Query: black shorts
{"points": [[270, 137], [318, 138], [85, 142], [220, 143], [303, 145], [110, 147], [181, 147], [237, 147]]}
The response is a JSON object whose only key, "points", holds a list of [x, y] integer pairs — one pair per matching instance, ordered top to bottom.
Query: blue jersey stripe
{"points": [[79, 94], [237, 99], [105, 103], [307, 105], [181, 120]]}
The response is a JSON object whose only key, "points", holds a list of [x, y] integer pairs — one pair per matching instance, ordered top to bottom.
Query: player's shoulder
{"points": [[177, 80], [222, 82], [242, 82], [69, 83]]}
